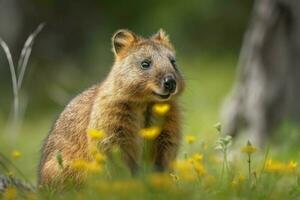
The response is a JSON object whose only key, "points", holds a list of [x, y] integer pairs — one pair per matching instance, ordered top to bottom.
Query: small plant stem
{"points": [[226, 162], [264, 163], [249, 166], [223, 167], [198, 175]]}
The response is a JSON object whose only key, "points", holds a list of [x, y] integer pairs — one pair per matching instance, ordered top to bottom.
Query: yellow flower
{"points": [[161, 108], [150, 133], [95, 134], [190, 139], [248, 149], [16, 154], [99, 157], [197, 157], [195, 161], [79, 164], [83, 165], [182, 165], [292, 165], [272, 166], [94, 167], [185, 167], [277, 167], [199, 168], [10, 193]]}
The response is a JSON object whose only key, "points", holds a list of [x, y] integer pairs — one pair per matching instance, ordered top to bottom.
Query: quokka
{"points": [[144, 73]]}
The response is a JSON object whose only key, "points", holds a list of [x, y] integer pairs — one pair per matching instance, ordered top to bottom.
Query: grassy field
{"points": [[201, 171]]}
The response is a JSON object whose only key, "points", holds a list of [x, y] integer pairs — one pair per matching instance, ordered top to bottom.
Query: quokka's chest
{"points": [[141, 117]]}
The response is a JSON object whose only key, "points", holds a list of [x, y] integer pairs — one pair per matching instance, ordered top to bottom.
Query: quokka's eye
{"points": [[173, 63], [145, 64]]}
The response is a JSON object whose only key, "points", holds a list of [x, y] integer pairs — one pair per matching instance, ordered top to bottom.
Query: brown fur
{"points": [[120, 106]]}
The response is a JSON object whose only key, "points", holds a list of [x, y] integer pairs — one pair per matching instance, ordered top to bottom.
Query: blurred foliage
{"points": [[73, 51]]}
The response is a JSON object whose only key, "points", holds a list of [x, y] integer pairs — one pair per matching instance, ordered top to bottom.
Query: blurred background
{"points": [[73, 51]]}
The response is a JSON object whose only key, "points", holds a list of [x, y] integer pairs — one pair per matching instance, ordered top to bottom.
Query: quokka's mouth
{"points": [[163, 96]]}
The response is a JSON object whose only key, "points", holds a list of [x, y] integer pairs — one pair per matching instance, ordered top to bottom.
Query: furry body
{"points": [[120, 106]]}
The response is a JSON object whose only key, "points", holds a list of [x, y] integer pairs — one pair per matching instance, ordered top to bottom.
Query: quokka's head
{"points": [[145, 68]]}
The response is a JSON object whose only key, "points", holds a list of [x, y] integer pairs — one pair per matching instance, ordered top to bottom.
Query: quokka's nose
{"points": [[170, 83]]}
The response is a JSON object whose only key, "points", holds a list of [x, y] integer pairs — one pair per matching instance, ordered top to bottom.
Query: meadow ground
{"points": [[209, 166]]}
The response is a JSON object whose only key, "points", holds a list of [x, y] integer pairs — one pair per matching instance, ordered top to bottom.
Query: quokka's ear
{"points": [[161, 36], [122, 40]]}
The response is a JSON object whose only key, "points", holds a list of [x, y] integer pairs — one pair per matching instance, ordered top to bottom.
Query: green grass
{"points": [[208, 81]]}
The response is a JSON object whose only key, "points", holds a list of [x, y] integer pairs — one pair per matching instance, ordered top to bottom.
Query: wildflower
{"points": [[161, 108], [150, 133], [95, 134], [190, 139], [223, 144], [248, 149], [95, 153], [16, 154], [99, 157], [197, 157], [195, 161], [79, 164], [83, 165], [292, 165], [272, 166], [277, 166], [94, 167], [184, 168], [199, 168], [10, 193]]}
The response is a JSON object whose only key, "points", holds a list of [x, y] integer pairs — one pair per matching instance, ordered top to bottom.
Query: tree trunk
{"points": [[266, 89]]}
